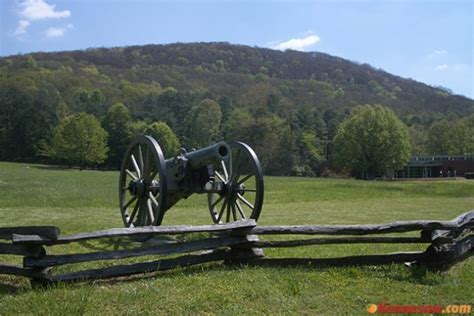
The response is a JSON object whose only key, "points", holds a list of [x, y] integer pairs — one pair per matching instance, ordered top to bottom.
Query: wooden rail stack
{"points": [[449, 241], [238, 242]]}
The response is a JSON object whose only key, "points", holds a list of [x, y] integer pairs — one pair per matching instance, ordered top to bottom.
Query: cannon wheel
{"points": [[241, 180], [142, 183]]}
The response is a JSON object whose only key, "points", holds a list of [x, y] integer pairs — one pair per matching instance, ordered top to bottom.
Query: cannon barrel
{"points": [[206, 156]]}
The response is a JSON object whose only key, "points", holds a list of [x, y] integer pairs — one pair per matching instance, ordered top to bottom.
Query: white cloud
{"points": [[34, 10], [38, 10], [21, 28], [55, 32], [298, 43], [437, 53], [441, 67], [453, 67]]}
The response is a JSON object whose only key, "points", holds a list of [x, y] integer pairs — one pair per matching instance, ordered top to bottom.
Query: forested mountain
{"points": [[286, 104]]}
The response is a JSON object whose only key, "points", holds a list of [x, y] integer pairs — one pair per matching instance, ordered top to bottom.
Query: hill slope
{"points": [[232, 70]]}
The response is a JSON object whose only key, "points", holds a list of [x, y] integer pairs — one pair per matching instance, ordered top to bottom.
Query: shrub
{"points": [[469, 175]]}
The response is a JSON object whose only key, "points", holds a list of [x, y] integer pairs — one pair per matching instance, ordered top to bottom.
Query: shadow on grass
{"points": [[137, 241], [108, 244], [111, 244], [178, 272], [414, 273], [417, 274], [427, 274], [12, 286]]}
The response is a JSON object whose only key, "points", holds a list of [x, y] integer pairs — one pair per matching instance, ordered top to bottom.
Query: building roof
{"points": [[436, 160]]}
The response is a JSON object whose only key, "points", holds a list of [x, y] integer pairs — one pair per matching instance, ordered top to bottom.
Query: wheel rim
{"points": [[241, 180], [142, 183]]}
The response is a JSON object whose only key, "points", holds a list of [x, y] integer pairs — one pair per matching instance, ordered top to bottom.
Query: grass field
{"points": [[87, 200]]}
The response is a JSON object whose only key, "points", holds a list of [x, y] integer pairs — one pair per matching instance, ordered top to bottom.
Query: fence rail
{"points": [[463, 220], [41, 239], [238, 242]]}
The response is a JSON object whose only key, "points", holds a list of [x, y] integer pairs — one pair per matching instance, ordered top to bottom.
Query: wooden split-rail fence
{"points": [[234, 243]]}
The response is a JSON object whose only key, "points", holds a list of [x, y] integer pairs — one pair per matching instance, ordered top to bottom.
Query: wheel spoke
{"points": [[140, 157], [135, 165], [238, 166], [224, 168], [235, 168], [147, 169], [131, 174], [153, 175], [220, 176], [245, 178], [249, 190], [153, 199], [217, 201], [245, 201], [129, 203], [239, 208], [150, 211], [222, 211], [134, 212], [142, 213], [228, 213], [234, 213]]}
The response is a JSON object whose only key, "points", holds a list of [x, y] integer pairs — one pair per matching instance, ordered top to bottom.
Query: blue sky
{"points": [[429, 41]]}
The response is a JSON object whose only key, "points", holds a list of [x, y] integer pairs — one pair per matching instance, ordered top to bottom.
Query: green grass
{"points": [[87, 200]]}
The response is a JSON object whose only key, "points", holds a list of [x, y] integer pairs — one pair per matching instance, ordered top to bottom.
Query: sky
{"points": [[427, 40]]}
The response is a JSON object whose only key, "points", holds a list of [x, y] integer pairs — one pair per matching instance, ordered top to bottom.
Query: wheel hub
{"points": [[137, 187], [140, 188], [232, 189]]}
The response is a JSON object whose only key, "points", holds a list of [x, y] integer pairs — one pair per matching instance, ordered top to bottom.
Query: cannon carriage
{"points": [[229, 174]]}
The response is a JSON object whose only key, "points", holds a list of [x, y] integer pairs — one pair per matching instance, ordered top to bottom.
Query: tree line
{"points": [[370, 141]]}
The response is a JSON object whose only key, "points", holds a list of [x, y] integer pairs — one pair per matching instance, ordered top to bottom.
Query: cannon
{"points": [[229, 174]]}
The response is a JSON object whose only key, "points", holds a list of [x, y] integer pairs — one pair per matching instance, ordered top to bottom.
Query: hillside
{"points": [[232, 70], [293, 91]]}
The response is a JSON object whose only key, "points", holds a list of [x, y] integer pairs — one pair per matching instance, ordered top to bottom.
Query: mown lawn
{"points": [[87, 200]]}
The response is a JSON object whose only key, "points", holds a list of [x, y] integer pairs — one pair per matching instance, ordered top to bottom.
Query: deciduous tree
{"points": [[116, 124], [203, 124], [267, 134], [451, 137], [79, 140], [168, 141], [372, 141]]}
